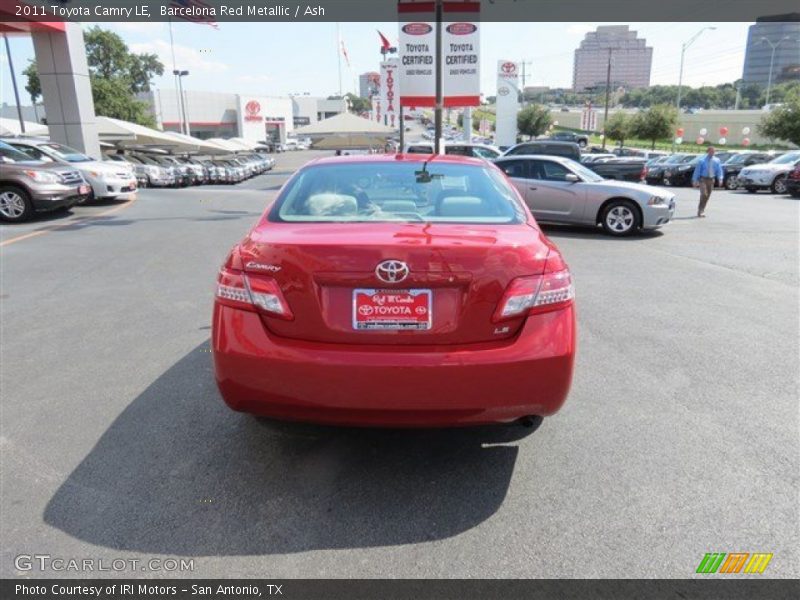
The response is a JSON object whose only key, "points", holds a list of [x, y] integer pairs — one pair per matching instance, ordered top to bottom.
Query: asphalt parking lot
{"points": [[680, 436]]}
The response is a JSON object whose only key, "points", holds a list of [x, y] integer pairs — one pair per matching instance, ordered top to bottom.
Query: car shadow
{"points": [[595, 233], [178, 473]]}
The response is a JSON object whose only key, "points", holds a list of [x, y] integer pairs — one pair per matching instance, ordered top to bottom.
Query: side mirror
{"points": [[572, 178]]}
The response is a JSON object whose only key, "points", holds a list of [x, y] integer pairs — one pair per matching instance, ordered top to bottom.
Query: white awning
{"points": [[345, 123], [11, 127], [193, 144], [228, 145]]}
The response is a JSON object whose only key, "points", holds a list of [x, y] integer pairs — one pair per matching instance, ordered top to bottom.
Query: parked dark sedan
{"points": [[734, 165], [621, 169], [655, 173], [680, 175]]}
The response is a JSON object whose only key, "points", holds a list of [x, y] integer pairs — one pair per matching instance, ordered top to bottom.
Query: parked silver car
{"points": [[771, 175], [560, 190]]}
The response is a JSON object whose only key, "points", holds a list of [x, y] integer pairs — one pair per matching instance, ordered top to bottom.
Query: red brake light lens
{"points": [[251, 292], [536, 294]]}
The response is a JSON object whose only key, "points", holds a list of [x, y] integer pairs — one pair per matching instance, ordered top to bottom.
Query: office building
{"points": [[767, 32], [631, 59]]}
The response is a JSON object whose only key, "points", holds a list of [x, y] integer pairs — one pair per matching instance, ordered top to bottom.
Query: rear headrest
{"points": [[329, 205], [399, 206], [461, 206]]}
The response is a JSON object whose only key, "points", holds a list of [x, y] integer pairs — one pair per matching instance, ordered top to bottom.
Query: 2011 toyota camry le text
{"points": [[397, 290]]}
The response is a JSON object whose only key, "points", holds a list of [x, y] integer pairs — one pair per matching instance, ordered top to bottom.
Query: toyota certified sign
{"points": [[460, 53]]}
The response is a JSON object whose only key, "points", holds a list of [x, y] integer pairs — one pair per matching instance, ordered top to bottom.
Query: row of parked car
{"points": [[157, 170], [37, 175]]}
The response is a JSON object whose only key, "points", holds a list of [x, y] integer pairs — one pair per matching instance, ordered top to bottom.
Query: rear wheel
{"points": [[731, 183], [779, 185], [15, 205], [620, 218]]}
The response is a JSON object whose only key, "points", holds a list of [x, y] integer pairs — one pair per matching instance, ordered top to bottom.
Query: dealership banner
{"points": [[460, 53], [388, 105], [507, 105]]}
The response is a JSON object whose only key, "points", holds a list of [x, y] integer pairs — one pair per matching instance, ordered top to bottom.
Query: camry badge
{"points": [[392, 271]]}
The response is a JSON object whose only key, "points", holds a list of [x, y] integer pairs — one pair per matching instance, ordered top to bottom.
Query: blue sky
{"points": [[279, 59]]}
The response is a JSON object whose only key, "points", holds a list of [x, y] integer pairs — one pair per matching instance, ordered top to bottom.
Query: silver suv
{"points": [[28, 185]]}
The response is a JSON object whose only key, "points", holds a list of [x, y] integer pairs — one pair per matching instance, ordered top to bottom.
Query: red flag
{"points": [[386, 45]]}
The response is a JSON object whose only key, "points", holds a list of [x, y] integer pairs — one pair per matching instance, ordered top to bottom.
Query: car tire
{"points": [[582, 143], [731, 183], [779, 185], [751, 190], [89, 198], [15, 204], [620, 218]]}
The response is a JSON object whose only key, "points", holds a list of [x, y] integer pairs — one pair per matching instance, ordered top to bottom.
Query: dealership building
{"points": [[249, 116]]}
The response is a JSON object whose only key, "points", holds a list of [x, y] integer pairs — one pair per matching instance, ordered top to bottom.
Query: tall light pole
{"points": [[684, 46], [772, 60], [179, 75], [608, 92]]}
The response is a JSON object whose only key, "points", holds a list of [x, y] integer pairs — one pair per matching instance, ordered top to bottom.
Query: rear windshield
{"points": [[402, 192]]}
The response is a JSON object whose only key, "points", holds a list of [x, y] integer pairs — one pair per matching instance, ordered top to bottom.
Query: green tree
{"points": [[116, 75], [33, 85], [358, 104], [533, 120], [657, 122], [783, 123], [618, 127]]}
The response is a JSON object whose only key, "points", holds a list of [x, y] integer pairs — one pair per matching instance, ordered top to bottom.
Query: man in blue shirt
{"points": [[708, 169]]}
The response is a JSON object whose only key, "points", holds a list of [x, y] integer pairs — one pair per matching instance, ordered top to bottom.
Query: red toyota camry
{"points": [[398, 290]]}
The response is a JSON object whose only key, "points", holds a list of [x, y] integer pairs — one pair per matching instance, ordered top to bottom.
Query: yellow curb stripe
{"points": [[38, 232]]}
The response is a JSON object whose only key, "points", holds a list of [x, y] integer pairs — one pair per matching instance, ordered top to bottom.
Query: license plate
{"points": [[84, 189], [391, 309]]}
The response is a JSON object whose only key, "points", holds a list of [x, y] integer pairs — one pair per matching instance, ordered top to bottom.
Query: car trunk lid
{"points": [[466, 268]]}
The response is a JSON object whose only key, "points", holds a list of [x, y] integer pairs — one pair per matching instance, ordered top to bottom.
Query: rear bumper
{"points": [[394, 386]]}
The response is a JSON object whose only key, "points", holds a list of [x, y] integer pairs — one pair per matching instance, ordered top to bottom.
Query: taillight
{"points": [[643, 174], [255, 293], [537, 294]]}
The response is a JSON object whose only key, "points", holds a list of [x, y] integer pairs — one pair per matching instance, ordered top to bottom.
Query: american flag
{"points": [[199, 4]]}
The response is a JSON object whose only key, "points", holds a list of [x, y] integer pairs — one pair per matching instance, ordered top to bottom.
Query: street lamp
{"points": [[684, 46], [772, 59], [183, 116]]}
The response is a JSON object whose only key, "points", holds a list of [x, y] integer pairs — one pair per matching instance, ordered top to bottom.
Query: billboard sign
{"points": [[389, 102]]}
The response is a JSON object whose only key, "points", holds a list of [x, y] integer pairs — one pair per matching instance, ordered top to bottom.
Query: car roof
{"points": [[26, 140], [545, 142], [537, 156], [391, 158]]}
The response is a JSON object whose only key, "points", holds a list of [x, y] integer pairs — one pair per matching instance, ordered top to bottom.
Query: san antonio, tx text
{"points": [[192, 12], [141, 589]]}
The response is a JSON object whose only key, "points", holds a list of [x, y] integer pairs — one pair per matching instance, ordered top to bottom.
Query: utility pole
{"points": [[684, 46], [772, 61], [524, 77], [14, 85], [608, 95], [437, 111]]}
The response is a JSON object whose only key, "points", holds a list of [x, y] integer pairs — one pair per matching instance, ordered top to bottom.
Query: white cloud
{"points": [[185, 57]]}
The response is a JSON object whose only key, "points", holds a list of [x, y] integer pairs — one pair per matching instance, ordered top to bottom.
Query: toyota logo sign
{"points": [[509, 68], [392, 271]]}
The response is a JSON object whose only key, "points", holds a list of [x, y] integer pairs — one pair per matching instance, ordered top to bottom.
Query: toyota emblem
{"points": [[392, 271]]}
